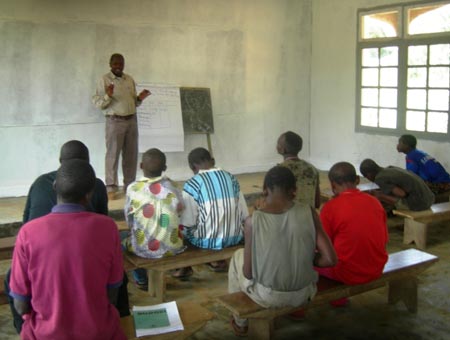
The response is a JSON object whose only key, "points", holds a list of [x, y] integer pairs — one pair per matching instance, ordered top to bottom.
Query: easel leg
{"points": [[208, 140]]}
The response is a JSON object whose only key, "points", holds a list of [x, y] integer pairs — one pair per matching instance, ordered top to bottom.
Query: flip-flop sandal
{"points": [[219, 268], [182, 273], [141, 286], [237, 330]]}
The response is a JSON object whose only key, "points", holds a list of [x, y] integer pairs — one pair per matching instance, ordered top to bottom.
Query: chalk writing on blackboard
{"points": [[197, 110]]}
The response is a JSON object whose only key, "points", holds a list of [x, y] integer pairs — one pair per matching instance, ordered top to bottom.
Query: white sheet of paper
{"points": [[159, 118], [174, 319]]}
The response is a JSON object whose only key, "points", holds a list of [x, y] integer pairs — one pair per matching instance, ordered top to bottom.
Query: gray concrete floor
{"points": [[368, 316]]}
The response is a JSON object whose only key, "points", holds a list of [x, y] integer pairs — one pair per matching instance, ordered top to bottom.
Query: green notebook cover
{"points": [[148, 319]]}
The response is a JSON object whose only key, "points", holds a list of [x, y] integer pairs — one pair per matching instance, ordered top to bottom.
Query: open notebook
{"points": [[157, 319]]}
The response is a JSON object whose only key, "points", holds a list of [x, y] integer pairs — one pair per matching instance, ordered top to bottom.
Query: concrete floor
{"points": [[367, 317]]}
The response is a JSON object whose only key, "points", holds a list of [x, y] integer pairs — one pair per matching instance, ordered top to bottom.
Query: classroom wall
{"points": [[254, 55], [333, 83]]}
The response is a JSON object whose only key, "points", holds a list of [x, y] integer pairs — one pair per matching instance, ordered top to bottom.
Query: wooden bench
{"points": [[442, 197], [416, 222], [7, 247], [192, 256], [400, 274], [3, 297]]}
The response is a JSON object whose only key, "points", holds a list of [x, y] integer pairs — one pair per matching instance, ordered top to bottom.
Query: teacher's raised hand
{"points": [[144, 94]]}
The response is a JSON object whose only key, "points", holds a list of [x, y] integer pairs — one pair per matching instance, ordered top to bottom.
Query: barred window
{"points": [[403, 70]]}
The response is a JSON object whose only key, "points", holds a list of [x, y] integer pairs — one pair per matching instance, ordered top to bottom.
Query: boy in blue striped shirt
{"points": [[215, 208]]}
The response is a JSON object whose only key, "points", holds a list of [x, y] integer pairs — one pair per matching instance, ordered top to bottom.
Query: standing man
{"points": [[116, 96]]}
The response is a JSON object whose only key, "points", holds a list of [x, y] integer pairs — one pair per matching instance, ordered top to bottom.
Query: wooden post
{"points": [[208, 140]]}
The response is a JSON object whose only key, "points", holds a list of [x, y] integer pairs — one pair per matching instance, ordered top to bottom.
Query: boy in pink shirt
{"points": [[67, 266]]}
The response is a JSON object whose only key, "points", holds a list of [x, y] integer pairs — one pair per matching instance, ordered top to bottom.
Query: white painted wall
{"points": [[254, 56], [272, 65], [333, 72]]}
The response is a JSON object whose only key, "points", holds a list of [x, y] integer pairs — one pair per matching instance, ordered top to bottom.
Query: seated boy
{"points": [[424, 165], [398, 187], [308, 191], [42, 198], [214, 208], [152, 209], [356, 224], [283, 242], [67, 266]]}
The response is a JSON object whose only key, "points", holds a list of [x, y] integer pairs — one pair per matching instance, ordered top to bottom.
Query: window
{"points": [[403, 70]]}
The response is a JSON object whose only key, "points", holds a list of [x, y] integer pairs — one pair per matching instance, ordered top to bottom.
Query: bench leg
{"points": [[415, 232], [156, 285], [404, 290], [260, 329]]}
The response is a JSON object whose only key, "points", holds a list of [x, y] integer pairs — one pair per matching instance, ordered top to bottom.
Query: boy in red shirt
{"points": [[356, 224], [67, 266]]}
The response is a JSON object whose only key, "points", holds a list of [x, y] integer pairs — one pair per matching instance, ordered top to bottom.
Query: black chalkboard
{"points": [[196, 110]]}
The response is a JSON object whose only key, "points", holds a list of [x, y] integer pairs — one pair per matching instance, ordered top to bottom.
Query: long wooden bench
{"points": [[416, 222], [7, 247], [192, 256], [400, 274]]}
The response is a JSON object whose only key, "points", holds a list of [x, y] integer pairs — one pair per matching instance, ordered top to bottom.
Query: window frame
{"points": [[403, 41]]}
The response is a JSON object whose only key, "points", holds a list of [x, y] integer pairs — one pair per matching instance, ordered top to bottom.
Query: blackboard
{"points": [[196, 110]]}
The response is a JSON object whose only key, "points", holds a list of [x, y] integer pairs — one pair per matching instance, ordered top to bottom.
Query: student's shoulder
{"points": [[300, 166], [47, 178], [99, 187], [100, 220]]}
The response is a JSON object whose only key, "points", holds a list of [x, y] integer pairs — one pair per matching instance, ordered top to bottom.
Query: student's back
{"points": [[289, 144], [426, 167], [419, 195], [41, 197], [214, 205], [151, 209], [215, 209], [356, 224], [275, 238], [67, 266], [72, 304]]}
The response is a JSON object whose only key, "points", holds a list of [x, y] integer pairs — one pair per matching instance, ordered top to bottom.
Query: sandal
{"points": [[218, 267], [182, 273], [238, 330]]}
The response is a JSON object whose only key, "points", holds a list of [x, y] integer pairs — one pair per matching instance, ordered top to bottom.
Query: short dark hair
{"points": [[116, 56], [409, 140], [293, 143], [74, 149], [198, 156], [154, 161], [368, 166], [342, 172], [280, 177], [75, 178]]}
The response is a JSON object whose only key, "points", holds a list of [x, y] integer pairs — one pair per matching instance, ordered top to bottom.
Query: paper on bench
{"points": [[157, 319]]}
